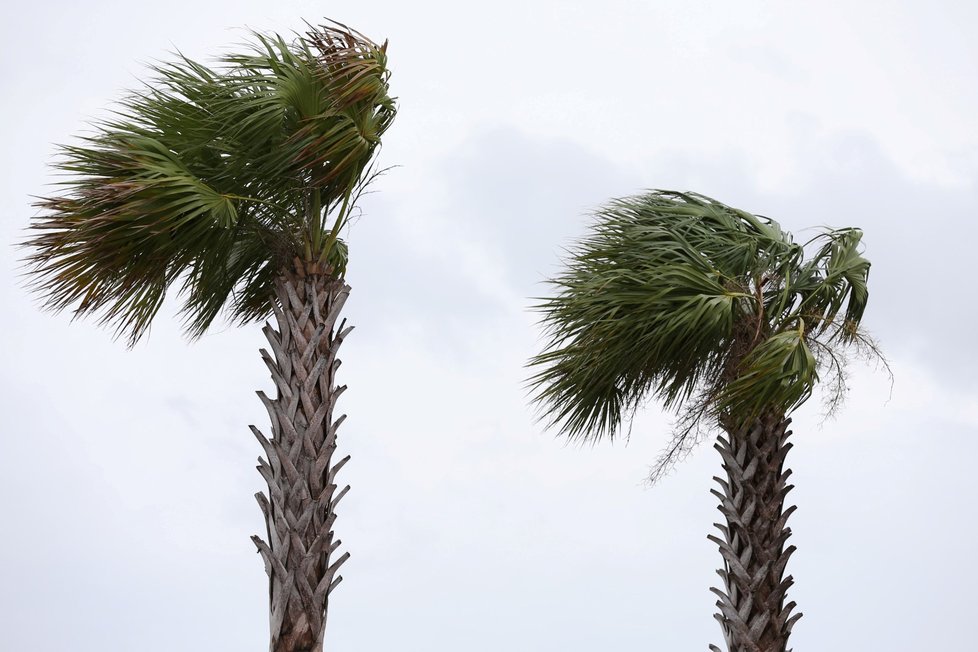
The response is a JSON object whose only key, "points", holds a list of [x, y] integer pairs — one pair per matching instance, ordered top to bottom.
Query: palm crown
{"points": [[216, 178], [707, 307]]}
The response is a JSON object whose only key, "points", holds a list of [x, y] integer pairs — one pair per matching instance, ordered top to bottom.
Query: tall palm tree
{"points": [[234, 183], [724, 318]]}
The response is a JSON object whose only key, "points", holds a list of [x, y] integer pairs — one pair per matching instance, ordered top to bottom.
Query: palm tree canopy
{"points": [[215, 178], [709, 308]]}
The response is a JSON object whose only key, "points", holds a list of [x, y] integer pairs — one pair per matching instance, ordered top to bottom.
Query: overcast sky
{"points": [[128, 476]]}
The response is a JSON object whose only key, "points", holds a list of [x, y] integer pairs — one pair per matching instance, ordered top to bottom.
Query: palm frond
{"points": [[214, 178], [708, 308], [777, 375]]}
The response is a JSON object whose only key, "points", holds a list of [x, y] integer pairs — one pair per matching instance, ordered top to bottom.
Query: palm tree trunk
{"points": [[300, 471], [752, 614]]}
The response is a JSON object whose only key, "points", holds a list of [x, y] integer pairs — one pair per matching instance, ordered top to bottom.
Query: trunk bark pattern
{"points": [[299, 465], [753, 614]]}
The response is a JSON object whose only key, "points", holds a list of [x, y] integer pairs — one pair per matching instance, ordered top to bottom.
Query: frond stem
{"points": [[338, 224], [760, 316]]}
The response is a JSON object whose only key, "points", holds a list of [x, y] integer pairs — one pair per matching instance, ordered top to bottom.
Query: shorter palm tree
{"points": [[234, 183], [724, 318]]}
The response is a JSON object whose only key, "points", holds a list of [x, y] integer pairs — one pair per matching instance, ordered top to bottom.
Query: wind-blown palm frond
{"points": [[216, 179], [706, 307]]}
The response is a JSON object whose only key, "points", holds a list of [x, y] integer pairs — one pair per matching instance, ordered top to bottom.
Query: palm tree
{"points": [[235, 183], [724, 318]]}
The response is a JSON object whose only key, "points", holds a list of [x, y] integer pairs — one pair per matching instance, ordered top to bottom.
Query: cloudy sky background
{"points": [[128, 476]]}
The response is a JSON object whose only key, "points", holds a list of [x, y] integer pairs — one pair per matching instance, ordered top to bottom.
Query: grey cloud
{"points": [[527, 197], [515, 198]]}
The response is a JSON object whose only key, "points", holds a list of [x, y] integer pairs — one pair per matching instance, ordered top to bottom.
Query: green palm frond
{"points": [[215, 178], [834, 277], [705, 307], [779, 374]]}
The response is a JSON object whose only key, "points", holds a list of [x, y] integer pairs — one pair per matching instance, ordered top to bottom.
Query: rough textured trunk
{"points": [[300, 470], [753, 613]]}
